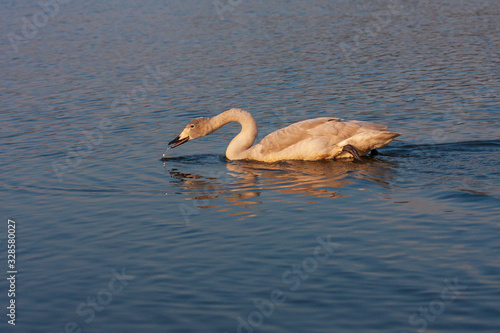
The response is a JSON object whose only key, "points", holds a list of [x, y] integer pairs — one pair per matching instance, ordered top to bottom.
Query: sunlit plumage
{"points": [[312, 139]]}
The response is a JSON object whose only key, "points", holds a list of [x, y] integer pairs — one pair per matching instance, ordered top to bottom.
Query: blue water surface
{"points": [[110, 238]]}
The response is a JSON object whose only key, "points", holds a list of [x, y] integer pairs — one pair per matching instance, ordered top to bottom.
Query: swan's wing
{"points": [[369, 125], [334, 130]]}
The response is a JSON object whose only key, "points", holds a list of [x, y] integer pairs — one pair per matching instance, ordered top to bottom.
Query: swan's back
{"points": [[321, 138]]}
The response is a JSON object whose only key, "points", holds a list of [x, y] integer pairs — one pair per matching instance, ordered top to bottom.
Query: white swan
{"points": [[313, 139]]}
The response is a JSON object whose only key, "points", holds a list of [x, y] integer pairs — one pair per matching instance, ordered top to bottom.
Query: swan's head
{"points": [[196, 128]]}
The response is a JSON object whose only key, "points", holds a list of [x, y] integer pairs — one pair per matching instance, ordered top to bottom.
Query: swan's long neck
{"points": [[238, 147]]}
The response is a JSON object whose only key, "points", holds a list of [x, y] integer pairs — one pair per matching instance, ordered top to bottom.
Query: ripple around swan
{"points": [[241, 181], [239, 187]]}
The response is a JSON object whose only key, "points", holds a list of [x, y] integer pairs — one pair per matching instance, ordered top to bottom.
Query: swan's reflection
{"points": [[242, 183]]}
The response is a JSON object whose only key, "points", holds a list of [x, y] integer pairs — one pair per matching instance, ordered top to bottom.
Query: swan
{"points": [[309, 140]]}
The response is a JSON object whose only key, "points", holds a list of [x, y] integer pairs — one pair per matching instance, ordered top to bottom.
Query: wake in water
{"points": [[443, 148], [467, 166]]}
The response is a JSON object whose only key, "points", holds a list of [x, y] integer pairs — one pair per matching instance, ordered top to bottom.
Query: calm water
{"points": [[112, 239]]}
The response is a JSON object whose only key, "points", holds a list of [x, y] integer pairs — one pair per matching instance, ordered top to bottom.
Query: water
{"points": [[113, 238]]}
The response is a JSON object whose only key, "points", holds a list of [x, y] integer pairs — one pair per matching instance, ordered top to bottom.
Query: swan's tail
{"points": [[365, 142]]}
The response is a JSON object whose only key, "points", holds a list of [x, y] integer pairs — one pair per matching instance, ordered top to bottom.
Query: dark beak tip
{"points": [[174, 140]]}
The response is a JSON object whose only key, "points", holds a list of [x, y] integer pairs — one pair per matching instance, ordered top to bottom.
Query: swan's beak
{"points": [[178, 141]]}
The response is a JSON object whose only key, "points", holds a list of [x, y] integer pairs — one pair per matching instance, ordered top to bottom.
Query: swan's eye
{"points": [[192, 126]]}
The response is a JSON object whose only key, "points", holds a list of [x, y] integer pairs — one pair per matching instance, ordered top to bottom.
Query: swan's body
{"points": [[313, 139]]}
